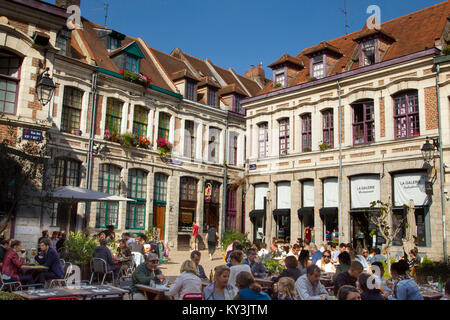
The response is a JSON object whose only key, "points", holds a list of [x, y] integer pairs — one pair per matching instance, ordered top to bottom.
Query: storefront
{"points": [[411, 186], [364, 189], [159, 203], [188, 206], [211, 211], [306, 212], [329, 212], [282, 214], [258, 215]]}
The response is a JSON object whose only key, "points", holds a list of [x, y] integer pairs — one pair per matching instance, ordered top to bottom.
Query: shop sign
{"points": [[410, 186], [364, 190]]}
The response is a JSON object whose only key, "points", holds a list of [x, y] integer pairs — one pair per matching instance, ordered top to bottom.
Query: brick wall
{"points": [[431, 111], [8, 133]]}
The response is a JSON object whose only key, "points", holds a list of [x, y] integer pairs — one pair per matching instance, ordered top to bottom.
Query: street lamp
{"points": [[45, 87], [428, 153]]}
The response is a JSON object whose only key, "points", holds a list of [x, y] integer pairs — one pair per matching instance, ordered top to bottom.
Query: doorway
{"points": [[159, 214], [360, 231]]}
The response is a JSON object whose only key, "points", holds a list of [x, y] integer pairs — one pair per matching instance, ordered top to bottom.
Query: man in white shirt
{"points": [[324, 247], [294, 251], [263, 252], [308, 286]]}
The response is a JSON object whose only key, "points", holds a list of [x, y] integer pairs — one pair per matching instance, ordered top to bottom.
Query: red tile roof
{"points": [[287, 58]]}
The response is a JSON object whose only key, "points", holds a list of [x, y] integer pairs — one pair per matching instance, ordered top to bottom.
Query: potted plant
{"points": [[134, 77], [128, 140], [324, 145], [164, 148], [79, 248], [273, 267]]}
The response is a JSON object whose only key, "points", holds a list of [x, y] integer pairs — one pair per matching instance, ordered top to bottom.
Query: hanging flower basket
{"points": [[134, 77], [164, 148]]}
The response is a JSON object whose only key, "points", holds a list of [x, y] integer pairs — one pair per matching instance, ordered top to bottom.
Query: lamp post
{"points": [[45, 87]]}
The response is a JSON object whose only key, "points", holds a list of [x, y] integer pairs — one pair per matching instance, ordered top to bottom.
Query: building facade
{"points": [[341, 125]]}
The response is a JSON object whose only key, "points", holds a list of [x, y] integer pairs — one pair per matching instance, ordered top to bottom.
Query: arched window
{"points": [[9, 81], [71, 110], [406, 114], [140, 121], [363, 122], [163, 126], [328, 127], [306, 132], [284, 136], [263, 140], [214, 142], [108, 182], [137, 190]]}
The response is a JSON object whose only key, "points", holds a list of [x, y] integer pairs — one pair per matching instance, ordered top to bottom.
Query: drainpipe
{"points": [[91, 142], [441, 161], [225, 178], [340, 222]]}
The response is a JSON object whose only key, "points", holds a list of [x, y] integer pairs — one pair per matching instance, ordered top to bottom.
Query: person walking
{"points": [[195, 235], [211, 238]]}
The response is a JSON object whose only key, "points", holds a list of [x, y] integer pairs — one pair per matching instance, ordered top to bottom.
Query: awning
{"points": [[75, 194], [305, 211], [328, 211], [362, 211], [281, 212], [257, 214]]}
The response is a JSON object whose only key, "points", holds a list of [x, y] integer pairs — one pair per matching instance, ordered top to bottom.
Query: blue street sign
{"points": [[31, 134], [252, 167]]}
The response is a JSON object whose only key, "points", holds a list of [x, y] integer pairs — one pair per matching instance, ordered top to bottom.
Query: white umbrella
{"points": [[76, 194], [411, 229]]}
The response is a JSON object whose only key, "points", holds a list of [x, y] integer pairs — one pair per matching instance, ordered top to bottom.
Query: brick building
{"points": [[342, 124]]}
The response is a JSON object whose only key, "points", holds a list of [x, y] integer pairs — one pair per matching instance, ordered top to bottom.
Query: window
{"points": [[62, 41], [114, 43], [368, 52], [132, 63], [318, 67], [280, 77], [9, 81], [190, 90], [211, 97], [237, 105], [71, 110], [406, 114], [113, 115], [140, 121], [363, 123], [163, 127], [328, 131], [306, 132], [284, 136], [189, 139], [263, 140], [214, 142], [233, 148], [67, 173], [108, 182], [160, 189], [188, 189], [137, 190], [231, 211]]}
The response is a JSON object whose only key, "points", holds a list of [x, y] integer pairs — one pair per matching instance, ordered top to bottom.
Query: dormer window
{"points": [[62, 41], [114, 43], [368, 52], [132, 63], [318, 67], [280, 77], [190, 90], [211, 97]]}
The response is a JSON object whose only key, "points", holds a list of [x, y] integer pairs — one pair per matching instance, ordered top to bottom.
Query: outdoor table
{"points": [[30, 268], [264, 282], [83, 291], [151, 293]]}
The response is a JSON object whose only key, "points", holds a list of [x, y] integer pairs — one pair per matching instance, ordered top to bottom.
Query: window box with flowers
{"points": [[134, 77], [111, 136], [324, 145], [164, 148]]}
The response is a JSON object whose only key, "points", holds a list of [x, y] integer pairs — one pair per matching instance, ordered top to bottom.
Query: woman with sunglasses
{"points": [[325, 264], [145, 273]]}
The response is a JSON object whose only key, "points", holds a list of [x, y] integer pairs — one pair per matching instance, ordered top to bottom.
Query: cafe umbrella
{"points": [[72, 195]]}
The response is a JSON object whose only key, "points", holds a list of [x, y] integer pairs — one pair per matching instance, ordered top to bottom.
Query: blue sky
{"points": [[239, 33]]}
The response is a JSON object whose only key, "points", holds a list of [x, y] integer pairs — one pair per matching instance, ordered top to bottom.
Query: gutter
{"points": [[344, 75], [340, 225]]}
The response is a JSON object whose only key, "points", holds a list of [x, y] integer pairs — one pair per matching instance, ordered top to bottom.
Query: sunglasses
{"points": [[327, 256], [154, 261]]}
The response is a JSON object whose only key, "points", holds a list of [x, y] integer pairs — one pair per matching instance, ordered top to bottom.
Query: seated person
{"points": [[138, 246], [4, 247], [103, 252], [263, 253], [195, 257], [50, 258], [236, 258], [12, 264], [325, 264], [257, 267], [291, 271], [145, 273], [349, 277], [187, 282], [248, 288]]}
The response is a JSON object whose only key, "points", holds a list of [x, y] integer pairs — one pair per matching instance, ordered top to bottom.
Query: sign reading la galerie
{"points": [[410, 186], [364, 190]]}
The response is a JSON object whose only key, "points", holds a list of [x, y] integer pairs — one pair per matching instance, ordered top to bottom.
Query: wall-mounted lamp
{"points": [[45, 87]]}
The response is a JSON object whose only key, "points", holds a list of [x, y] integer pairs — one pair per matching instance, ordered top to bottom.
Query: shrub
{"points": [[446, 50], [231, 235], [79, 248], [273, 266], [430, 268], [9, 296]]}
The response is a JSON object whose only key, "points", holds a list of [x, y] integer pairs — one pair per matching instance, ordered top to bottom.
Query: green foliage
{"points": [[446, 50], [311, 79], [277, 85], [129, 140], [150, 233], [231, 235], [79, 248], [273, 266], [435, 269], [386, 274], [9, 296]]}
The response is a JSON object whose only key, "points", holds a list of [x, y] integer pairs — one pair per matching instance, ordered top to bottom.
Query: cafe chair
{"points": [[99, 267], [68, 269], [125, 284], [11, 285], [192, 296], [102, 297], [64, 298]]}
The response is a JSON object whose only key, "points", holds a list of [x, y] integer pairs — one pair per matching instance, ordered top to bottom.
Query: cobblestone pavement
{"points": [[176, 258]]}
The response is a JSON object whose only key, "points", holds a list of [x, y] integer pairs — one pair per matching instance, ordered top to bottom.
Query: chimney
{"points": [[67, 3], [256, 74]]}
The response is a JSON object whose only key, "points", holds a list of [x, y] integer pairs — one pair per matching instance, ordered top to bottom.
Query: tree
{"points": [[22, 173], [382, 218]]}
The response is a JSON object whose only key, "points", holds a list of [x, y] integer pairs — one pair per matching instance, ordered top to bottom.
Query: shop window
{"points": [[108, 182], [137, 190]]}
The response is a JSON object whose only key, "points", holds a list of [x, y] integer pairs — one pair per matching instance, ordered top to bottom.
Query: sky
{"points": [[240, 33]]}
